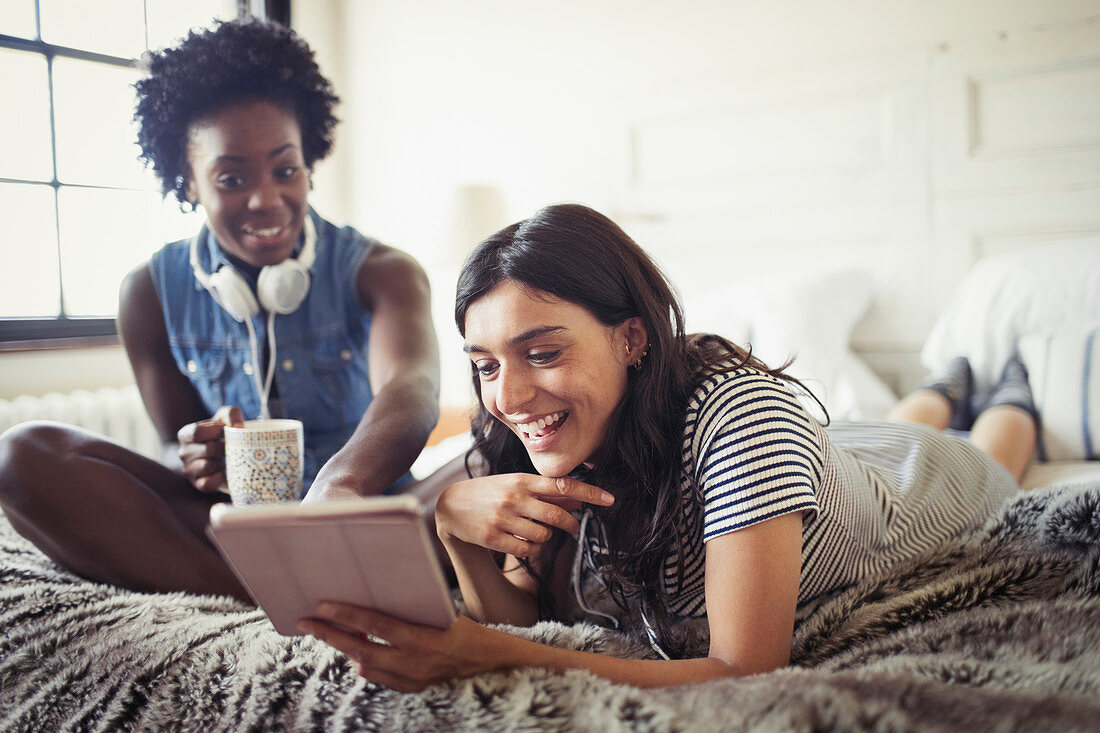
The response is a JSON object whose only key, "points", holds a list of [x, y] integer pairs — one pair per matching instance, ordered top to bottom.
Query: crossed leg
{"points": [[108, 513]]}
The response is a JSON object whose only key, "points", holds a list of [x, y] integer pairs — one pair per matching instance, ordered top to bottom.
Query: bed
{"points": [[998, 630]]}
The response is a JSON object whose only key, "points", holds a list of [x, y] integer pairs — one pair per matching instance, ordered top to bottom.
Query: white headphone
{"points": [[281, 288]]}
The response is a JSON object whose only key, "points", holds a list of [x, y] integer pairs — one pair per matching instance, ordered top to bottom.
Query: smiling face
{"points": [[248, 174], [550, 371]]}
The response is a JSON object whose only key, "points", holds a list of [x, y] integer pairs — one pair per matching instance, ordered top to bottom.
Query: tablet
{"points": [[374, 552]]}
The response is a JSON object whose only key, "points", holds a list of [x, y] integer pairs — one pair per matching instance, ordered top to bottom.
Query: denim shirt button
{"points": [[346, 354], [288, 365], [192, 366], [247, 368]]}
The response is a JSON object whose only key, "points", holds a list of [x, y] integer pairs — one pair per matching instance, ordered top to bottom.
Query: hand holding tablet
{"points": [[373, 552]]}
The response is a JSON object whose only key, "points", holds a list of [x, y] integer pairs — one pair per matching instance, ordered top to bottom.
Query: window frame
{"points": [[63, 330], [45, 331]]}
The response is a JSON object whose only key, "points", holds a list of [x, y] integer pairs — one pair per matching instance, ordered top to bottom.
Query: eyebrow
{"points": [[273, 154], [531, 333]]}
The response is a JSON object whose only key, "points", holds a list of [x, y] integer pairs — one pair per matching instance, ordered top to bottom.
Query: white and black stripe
{"points": [[871, 493]]}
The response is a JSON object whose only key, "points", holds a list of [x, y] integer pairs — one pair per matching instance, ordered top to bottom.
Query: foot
{"points": [[956, 384]]}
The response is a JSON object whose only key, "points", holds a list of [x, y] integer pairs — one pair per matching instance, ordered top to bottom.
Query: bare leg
{"points": [[924, 406], [1008, 434], [108, 513]]}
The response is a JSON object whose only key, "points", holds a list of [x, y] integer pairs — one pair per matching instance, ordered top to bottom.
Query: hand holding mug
{"points": [[202, 449]]}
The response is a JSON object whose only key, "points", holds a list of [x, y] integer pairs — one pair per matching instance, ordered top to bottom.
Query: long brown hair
{"points": [[578, 255]]}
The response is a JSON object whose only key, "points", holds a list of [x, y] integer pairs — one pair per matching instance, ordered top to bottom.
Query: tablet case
{"points": [[372, 552]]}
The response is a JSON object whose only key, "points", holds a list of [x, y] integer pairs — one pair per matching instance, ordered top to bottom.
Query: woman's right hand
{"points": [[202, 449], [513, 513]]}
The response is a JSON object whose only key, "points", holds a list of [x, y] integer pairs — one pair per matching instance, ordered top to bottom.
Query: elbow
{"points": [[731, 667]]}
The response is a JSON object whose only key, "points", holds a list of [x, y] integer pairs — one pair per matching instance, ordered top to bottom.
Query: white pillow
{"points": [[1038, 289], [808, 315], [1063, 369]]}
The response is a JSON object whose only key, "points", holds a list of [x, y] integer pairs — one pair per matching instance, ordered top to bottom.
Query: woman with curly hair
{"points": [[268, 310], [643, 476]]}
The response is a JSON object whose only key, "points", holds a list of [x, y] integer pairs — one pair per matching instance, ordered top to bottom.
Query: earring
{"points": [[628, 349], [638, 364]]}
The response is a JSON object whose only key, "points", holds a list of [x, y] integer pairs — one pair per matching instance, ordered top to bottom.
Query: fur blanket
{"points": [[1000, 630]]}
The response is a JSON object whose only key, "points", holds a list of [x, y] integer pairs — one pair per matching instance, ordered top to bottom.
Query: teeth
{"points": [[269, 232], [532, 429]]}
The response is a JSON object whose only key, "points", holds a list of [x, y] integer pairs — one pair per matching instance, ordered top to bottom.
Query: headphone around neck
{"points": [[280, 288]]}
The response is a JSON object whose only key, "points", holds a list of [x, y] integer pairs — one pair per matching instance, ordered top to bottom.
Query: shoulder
{"points": [[172, 254], [385, 260], [169, 268], [378, 273], [387, 274], [137, 290], [140, 318], [738, 390], [750, 413], [752, 449]]}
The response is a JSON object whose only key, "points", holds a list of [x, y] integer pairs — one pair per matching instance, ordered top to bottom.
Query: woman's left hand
{"points": [[413, 657]]}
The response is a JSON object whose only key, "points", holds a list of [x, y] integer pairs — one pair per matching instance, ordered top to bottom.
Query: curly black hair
{"points": [[234, 61]]}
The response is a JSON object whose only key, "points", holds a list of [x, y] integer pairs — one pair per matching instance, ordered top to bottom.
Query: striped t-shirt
{"points": [[871, 494]]}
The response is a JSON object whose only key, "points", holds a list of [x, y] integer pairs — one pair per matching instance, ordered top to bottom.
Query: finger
{"points": [[229, 415], [204, 431], [186, 434], [211, 449], [199, 467], [210, 483], [571, 488], [569, 505], [521, 514], [550, 514], [526, 530], [504, 542], [366, 621], [368, 657], [385, 664], [388, 679]]}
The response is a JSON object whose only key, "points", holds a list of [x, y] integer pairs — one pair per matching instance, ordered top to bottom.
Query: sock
{"points": [[956, 384], [1012, 388]]}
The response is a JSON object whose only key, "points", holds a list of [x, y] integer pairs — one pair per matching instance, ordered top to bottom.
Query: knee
{"points": [[1008, 419], [28, 449]]}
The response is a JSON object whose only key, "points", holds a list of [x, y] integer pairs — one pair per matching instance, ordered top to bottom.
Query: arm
{"points": [[404, 375], [191, 443], [513, 514], [752, 586]]}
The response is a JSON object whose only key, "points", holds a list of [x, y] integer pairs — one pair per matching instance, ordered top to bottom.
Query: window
{"points": [[79, 210]]}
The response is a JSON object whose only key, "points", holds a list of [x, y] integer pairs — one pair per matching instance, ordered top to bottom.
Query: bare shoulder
{"points": [[389, 274], [138, 303]]}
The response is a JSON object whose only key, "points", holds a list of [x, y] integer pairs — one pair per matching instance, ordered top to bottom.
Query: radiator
{"points": [[116, 412]]}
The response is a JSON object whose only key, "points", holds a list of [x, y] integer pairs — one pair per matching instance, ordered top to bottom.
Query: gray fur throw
{"points": [[1000, 630]]}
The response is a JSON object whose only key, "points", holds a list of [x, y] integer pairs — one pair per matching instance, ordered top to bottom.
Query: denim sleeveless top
{"points": [[321, 348]]}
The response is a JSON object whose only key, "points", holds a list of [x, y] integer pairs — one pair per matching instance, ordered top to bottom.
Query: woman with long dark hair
{"points": [[629, 472]]}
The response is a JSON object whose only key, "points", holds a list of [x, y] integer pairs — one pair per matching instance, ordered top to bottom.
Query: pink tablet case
{"points": [[374, 553]]}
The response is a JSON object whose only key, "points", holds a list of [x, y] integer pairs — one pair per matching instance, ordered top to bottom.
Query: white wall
{"points": [[532, 96], [563, 101], [623, 105]]}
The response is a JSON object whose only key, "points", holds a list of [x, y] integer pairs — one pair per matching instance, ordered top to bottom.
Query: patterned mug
{"points": [[263, 461]]}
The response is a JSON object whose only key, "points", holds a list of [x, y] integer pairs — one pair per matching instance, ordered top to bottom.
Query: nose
{"points": [[265, 195], [514, 389]]}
